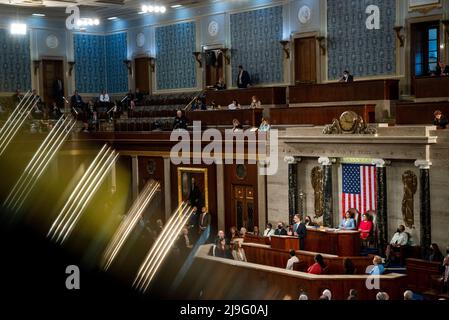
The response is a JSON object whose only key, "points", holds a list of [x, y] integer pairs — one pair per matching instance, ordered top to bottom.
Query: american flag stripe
{"points": [[359, 187]]}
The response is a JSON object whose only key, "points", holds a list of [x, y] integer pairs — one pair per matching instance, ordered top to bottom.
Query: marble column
{"points": [[292, 187], [381, 203], [424, 203], [328, 215]]}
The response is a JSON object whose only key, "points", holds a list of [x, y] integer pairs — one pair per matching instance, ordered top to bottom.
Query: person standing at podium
{"points": [[300, 230]]}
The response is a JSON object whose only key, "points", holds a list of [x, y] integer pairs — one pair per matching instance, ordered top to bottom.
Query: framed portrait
{"points": [[423, 4], [192, 186]]}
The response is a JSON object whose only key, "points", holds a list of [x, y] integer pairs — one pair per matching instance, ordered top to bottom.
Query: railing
{"points": [[188, 107]]}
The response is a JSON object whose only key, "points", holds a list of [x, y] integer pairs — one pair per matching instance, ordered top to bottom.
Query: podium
{"points": [[285, 243]]}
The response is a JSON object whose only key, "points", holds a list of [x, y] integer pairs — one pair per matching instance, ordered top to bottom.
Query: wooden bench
{"points": [[420, 273]]}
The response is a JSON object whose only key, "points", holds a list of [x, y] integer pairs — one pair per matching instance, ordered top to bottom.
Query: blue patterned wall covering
{"points": [[255, 37], [351, 46], [15, 60], [90, 63], [99, 63], [175, 64], [117, 72]]}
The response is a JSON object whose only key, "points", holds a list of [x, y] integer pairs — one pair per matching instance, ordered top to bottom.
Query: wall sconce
{"points": [[446, 26], [400, 36], [322, 43], [284, 44], [197, 56], [227, 58], [152, 63], [36, 65], [71, 65], [128, 65]]}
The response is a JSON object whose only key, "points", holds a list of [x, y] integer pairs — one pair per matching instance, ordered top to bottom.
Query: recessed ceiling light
{"points": [[176, 6], [39, 14], [112, 18], [18, 28]]}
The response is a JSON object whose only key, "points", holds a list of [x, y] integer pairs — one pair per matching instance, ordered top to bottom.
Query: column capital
{"points": [[291, 159], [325, 161], [379, 163], [423, 164]]}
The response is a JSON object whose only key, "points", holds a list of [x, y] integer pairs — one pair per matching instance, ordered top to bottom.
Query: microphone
{"points": [[65, 100], [75, 110]]}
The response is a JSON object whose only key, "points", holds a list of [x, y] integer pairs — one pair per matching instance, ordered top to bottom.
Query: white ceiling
{"points": [[103, 8]]}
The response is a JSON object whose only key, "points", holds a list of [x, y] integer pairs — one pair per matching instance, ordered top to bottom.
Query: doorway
{"points": [[425, 49], [305, 60], [214, 67], [142, 74], [53, 82], [244, 213]]}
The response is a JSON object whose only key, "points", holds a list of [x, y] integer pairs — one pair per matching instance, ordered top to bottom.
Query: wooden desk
{"points": [[430, 87], [355, 91], [266, 95], [419, 113], [319, 116], [249, 117], [249, 238], [341, 242], [285, 243], [265, 255], [420, 273], [247, 281]]}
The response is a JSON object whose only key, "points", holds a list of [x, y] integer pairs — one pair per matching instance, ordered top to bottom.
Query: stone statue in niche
{"points": [[317, 177], [410, 182]]}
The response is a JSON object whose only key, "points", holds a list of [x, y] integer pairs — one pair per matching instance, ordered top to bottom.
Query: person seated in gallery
{"points": [[442, 69], [346, 77], [243, 78], [220, 85], [138, 97], [104, 98], [130, 100], [76, 101], [255, 103], [198, 105], [234, 105], [440, 120], [180, 121], [236, 125], [264, 125], [309, 222], [348, 223], [365, 226], [256, 231], [269, 231], [280, 231], [242, 232], [233, 234], [220, 236], [400, 239], [222, 250], [238, 253], [434, 254], [293, 259], [348, 266], [318, 267], [378, 267], [352, 294], [382, 296]]}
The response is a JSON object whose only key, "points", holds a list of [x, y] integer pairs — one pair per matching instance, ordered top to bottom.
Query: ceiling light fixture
{"points": [[176, 6], [151, 9], [38, 14], [112, 18], [82, 22], [18, 29]]}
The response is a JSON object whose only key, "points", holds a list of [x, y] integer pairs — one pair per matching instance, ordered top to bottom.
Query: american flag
{"points": [[359, 187]]}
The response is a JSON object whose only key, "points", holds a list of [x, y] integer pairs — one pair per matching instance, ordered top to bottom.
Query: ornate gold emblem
{"points": [[349, 123]]}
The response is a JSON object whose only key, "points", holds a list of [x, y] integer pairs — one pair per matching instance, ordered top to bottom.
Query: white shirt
{"points": [[104, 97], [232, 106], [268, 232], [400, 238], [290, 262], [446, 273]]}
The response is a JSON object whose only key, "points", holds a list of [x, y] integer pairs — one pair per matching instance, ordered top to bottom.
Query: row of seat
{"points": [[144, 124]]}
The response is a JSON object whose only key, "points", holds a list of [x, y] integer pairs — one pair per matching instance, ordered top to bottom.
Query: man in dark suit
{"points": [[347, 77], [243, 79], [58, 92], [204, 220], [300, 230], [280, 231]]}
